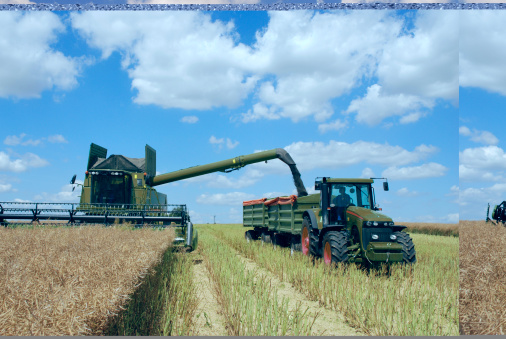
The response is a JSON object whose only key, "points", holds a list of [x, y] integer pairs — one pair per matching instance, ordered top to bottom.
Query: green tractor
{"points": [[498, 214], [341, 224]]}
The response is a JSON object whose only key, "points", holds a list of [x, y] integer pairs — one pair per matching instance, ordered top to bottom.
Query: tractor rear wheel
{"points": [[265, 238], [335, 247], [408, 248]]}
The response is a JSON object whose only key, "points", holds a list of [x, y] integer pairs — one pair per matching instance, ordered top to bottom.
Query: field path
{"points": [[208, 319], [327, 323]]}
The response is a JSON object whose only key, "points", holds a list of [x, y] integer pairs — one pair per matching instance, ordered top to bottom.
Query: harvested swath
{"points": [[432, 228], [482, 278], [68, 281]]}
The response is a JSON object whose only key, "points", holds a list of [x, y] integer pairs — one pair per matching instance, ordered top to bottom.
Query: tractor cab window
{"points": [[110, 189], [345, 195]]}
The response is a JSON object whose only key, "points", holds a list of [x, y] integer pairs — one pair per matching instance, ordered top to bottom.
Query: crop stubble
{"points": [[482, 278], [68, 281]]}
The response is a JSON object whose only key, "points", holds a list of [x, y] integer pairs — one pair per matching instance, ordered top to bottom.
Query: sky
{"points": [[349, 94]]}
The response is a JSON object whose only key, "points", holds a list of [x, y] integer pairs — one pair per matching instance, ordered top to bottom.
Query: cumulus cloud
{"points": [[482, 50], [174, 59], [28, 63], [434, 66], [190, 119], [482, 137], [23, 163], [487, 163], [429, 170], [367, 173], [249, 177], [5, 188], [232, 198]]}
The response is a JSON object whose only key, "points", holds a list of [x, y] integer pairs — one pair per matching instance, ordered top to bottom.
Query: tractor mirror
{"points": [[73, 180], [385, 186]]}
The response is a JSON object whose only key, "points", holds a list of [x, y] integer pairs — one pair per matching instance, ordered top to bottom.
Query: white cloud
{"points": [[203, 2], [295, 48], [482, 50], [160, 55], [28, 63], [434, 66], [375, 106], [260, 111], [190, 119], [335, 125], [482, 137], [57, 139], [14, 140], [220, 142], [486, 157], [23, 163], [429, 170], [367, 173], [214, 180], [5, 188], [404, 192], [65, 195], [232, 198]]}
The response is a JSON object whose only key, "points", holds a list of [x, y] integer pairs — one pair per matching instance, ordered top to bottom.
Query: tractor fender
{"points": [[312, 217]]}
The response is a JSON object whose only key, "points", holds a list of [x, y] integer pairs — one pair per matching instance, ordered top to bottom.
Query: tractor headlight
{"points": [[368, 223], [375, 223], [391, 223], [375, 237], [393, 237]]}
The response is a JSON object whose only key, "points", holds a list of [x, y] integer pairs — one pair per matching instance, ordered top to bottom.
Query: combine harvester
{"points": [[121, 189], [498, 214], [340, 224]]}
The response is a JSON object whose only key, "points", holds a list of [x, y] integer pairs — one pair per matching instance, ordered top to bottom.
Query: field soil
{"points": [[482, 278], [208, 319]]}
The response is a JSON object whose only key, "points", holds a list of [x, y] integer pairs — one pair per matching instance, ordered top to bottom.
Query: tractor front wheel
{"points": [[309, 239], [335, 247], [408, 248]]}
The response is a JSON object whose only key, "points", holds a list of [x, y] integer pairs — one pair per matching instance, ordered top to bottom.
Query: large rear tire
{"points": [[335, 247], [408, 248]]}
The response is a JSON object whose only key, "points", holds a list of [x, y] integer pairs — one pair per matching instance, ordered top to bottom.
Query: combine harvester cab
{"points": [[341, 224]]}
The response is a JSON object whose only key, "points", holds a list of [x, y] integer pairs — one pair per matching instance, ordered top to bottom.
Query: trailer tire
{"points": [[250, 236], [265, 238], [295, 244], [335, 247], [408, 248]]}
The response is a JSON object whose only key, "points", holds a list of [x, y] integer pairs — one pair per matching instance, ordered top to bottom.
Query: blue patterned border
{"points": [[249, 7]]}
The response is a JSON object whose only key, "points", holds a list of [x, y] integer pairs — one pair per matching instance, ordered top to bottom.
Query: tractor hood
{"points": [[367, 214]]}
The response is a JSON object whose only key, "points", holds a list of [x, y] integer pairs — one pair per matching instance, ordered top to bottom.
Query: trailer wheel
{"points": [[250, 236], [265, 238], [295, 245], [335, 247], [408, 248]]}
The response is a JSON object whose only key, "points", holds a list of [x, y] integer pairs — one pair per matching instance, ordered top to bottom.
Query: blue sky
{"points": [[343, 92]]}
